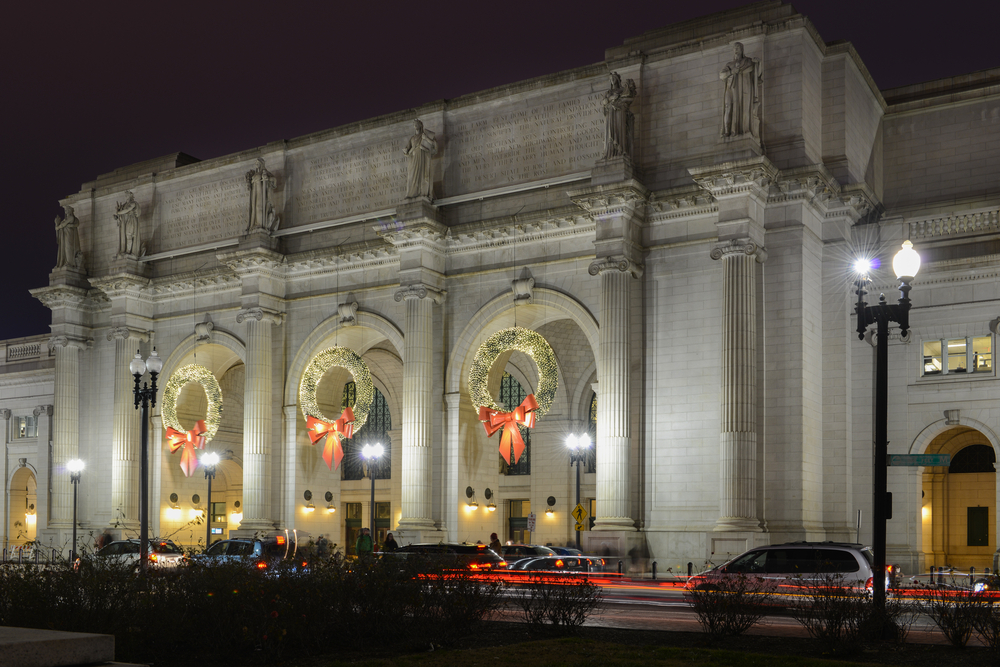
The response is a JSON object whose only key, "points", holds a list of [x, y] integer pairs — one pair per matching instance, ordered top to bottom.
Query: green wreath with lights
{"points": [[522, 340], [350, 361], [204, 377]]}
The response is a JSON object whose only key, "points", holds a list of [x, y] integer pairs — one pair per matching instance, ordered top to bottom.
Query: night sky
{"points": [[91, 86]]}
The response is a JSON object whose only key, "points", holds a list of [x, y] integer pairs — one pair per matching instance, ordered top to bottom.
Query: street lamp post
{"points": [[905, 264], [145, 397], [578, 449], [371, 454], [209, 461], [75, 467]]}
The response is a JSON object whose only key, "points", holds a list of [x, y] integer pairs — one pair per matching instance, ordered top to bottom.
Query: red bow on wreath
{"points": [[493, 421], [342, 428], [189, 441]]}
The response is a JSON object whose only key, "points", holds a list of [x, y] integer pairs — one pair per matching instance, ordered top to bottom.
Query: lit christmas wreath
{"points": [[534, 405], [321, 426], [205, 429]]}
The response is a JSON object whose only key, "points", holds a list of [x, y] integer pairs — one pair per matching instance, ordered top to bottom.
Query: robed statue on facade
{"points": [[741, 104], [619, 121], [419, 149], [262, 215], [127, 217], [69, 254]]}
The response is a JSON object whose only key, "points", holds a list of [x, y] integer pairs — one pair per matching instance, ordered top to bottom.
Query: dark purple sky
{"points": [[97, 85]]}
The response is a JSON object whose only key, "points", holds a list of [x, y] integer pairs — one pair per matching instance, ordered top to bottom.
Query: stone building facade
{"points": [[681, 233]]}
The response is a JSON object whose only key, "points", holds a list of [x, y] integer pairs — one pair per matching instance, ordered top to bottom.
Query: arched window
{"points": [[511, 395], [376, 429], [974, 458]]}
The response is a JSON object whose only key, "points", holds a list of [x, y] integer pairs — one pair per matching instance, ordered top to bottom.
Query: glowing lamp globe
{"points": [[906, 263]]}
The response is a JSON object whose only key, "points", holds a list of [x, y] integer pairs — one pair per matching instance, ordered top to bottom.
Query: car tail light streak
{"points": [[262, 565]]}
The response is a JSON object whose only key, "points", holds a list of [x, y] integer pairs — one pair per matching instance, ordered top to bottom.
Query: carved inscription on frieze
{"points": [[519, 144], [352, 181], [202, 214]]}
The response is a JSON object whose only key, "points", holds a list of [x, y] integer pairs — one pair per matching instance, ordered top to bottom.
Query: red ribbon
{"points": [[493, 421], [342, 428], [189, 441]]}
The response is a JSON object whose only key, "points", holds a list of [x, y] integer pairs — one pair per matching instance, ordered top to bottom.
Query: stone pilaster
{"points": [[613, 405], [418, 416], [257, 420], [65, 426], [125, 434], [738, 439], [450, 491], [43, 504]]}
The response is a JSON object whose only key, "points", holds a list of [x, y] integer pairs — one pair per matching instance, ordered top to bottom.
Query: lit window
{"points": [[958, 355], [25, 427]]}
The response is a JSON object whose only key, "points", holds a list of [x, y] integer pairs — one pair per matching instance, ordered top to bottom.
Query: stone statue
{"points": [[741, 110], [619, 122], [420, 149], [260, 182], [127, 217], [273, 219], [69, 254]]}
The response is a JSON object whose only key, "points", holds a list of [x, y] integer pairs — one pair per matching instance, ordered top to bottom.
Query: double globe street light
{"points": [[905, 265], [145, 397], [371, 454]]}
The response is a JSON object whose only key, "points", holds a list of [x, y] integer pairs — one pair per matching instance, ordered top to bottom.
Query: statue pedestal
{"points": [[741, 147], [614, 170], [417, 208], [258, 238], [130, 264], [68, 276]]}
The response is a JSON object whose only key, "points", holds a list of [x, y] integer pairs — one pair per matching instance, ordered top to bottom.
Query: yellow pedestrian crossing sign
{"points": [[579, 514], [579, 527]]}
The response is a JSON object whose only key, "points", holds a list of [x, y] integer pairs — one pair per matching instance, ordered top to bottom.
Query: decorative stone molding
{"points": [[734, 178], [610, 203], [964, 224], [425, 233], [736, 247], [256, 261], [618, 263], [122, 284], [523, 289], [420, 291], [61, 296], [348, 312], [259, 314], [995, 325], [203, 331], [124, 333], [66, 341], [42, 410], [5, 413], [952, 417], [22, 463]]}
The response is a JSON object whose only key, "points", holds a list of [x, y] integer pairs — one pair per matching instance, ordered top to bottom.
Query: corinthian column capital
{"points": [[619, 263]]}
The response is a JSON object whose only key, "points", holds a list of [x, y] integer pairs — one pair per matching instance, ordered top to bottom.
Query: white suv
{"points": [[162, 553], [798, 564]]}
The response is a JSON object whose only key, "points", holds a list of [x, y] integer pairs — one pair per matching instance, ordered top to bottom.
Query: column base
{"points": [[624, 524], [728, 524], [253, 528], [418, 534], [614, 543], [723, 546]]}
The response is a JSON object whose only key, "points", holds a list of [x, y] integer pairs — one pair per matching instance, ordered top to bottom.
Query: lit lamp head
{"points": [[906, 263], [372, 451], [210, 460], [75, 467]]}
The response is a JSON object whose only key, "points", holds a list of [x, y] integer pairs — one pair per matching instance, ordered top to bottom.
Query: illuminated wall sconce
{"points": [[308, 495], [550, 501], [473, 504], [490, 505], [330, 507], [309, 508], [174, 513], [196, 513], [237, 515], [30, 518]]}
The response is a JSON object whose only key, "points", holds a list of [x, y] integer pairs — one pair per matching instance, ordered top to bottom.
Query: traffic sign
{"points": [[920, 459], [579, 514], [531, 522], [579, 527]]}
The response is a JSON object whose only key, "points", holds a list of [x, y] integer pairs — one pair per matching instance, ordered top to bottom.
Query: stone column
{"points": [[613, 406], [257, 410], [418, 410], [65, 427], [738, 440], [125, 443], [43, 497], [449, 500], [289, 506]]}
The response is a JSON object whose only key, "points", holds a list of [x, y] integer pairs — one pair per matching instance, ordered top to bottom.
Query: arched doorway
{"points": [[958, 504], [23, 507]]}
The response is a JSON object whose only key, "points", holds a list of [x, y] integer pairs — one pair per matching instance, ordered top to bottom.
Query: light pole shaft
{"points": [[881, 446], [371, 473], [144, 484], [577, 501], [208, 513], [72, 553]]}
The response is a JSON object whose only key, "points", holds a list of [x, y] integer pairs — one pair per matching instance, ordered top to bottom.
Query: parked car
{"points": [[566, 551], [515, 552], [162, 553], [262, 553], [476, 557], [559, 564], [796, 564]]}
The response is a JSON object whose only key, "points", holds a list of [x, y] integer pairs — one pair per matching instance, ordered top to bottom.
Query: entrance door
{"points": [[517, 521], [353, 527]]}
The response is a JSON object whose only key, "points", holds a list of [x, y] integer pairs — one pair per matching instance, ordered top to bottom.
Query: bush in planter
{"points": [[562, 604], [733, 605]]}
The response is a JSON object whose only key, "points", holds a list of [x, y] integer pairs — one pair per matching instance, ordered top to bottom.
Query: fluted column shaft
{"points": [[613, 381], [418, 414], [738, 414], [257, 421], [65, 428], [125, 433]]}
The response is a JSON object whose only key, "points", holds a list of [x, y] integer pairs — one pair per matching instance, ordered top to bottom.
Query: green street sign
{"points": [[920, 459]]}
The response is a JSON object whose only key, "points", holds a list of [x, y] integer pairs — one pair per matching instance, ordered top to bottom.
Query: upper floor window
{"points": [[958, 355], [511, 395], [25, 427], [375, 430]]}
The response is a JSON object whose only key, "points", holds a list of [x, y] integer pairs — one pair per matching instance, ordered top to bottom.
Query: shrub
{"points": [[563, 604], [734, 605], [955, 611]]}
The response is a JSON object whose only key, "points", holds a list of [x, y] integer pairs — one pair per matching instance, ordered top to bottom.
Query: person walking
{"points": [[389, 544], [495, 545], [364, 546], [322, 547]]}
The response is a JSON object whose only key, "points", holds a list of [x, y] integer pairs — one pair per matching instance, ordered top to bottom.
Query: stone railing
{"points": [[964, 224], [20, 350], [25, 352]]}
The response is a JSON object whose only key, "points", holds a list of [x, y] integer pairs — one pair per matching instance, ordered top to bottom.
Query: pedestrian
{"points": [[390, 543], [495, 544], [364, 546], [322, 547]]}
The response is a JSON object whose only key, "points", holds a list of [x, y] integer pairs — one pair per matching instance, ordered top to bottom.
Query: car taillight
{"points": [[280, 539], [153, 558], [559, 562], [502, 563], [262, 565], [473, 566], [869, 583]]}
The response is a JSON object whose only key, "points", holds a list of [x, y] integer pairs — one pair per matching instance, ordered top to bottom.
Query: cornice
{"points": [[751, 176], [616, 199], [506, 232], [421, 233], [341, 258], [256, 261], [201, 283], [122, 284], [61, 296], [25, 378]]}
